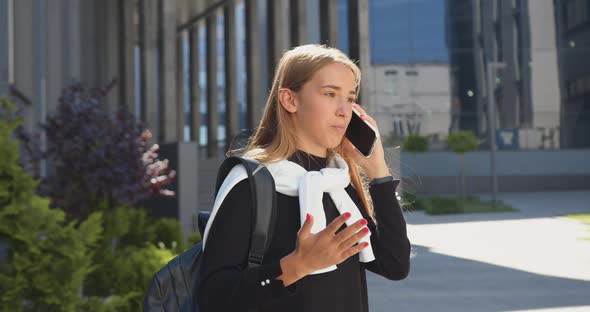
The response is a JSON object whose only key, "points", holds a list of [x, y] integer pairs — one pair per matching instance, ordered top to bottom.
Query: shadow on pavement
{"points": [[443, 283]]}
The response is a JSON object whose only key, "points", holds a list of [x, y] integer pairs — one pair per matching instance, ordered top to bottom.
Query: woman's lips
{"points": [[341, 129]]}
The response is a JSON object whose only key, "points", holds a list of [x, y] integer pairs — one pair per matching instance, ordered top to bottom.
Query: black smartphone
{"points": [[361, 134]]}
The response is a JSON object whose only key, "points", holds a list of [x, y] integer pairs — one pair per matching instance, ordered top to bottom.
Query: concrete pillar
{"points": [[194, 8], [182, 11], [329, 22], [298, 25], [88, 27], [128, 29], [353, 30], [271, 37], [358, 38], [72, 41], [108, 41], [277, 41], [6, 45], [365, 55], [24, 60], [149, 64], [40, 71], [231, 74], [56, 80], [180, 84], [195, 91], [253, 95], [212, 98], [170, 127], [189, 152], [188, 185]]}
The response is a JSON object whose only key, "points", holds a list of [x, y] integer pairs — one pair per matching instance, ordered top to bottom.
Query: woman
{"points": [[317, 259]]}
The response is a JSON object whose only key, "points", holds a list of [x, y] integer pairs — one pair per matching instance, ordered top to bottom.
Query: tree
{"points": [[462, 142], [415, 143], [97, 156], [100, 161], [44, 260]]}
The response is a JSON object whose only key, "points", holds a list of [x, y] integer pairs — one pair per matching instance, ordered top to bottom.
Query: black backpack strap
{"points": [[262, 188]]}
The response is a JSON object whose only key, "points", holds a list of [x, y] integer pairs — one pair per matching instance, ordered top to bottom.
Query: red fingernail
{"points": [[347, 215], [308, 217], [364, 222], [365, 230], [365, 244]]}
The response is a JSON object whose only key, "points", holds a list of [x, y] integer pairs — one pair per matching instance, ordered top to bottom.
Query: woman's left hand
{"points": [[375, 165]]}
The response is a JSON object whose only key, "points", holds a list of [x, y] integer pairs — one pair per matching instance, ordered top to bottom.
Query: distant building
{"points": [[519, 34], [573, 37], [409, 67], [412, 99]]}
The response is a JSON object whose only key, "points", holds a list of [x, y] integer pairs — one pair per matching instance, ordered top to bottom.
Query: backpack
{"points": [[176, 286]]}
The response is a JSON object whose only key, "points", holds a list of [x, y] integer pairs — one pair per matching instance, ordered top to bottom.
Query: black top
{"points": [[229, 285]]}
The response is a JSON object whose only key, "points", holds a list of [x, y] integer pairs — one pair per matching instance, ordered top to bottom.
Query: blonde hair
{"points": [[275, 137]]}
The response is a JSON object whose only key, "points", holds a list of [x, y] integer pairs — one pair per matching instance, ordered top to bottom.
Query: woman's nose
{"points": [[343, 109]]}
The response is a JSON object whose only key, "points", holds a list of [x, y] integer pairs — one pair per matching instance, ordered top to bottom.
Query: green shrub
{"points": [[461, 142], [415, 143], [412, 201], [440, 205], [452, 205], [126, 226], [168, 232], [193, 239], [128, 255], [46, 258], [49, 264], [127, 273], [111, 304]]}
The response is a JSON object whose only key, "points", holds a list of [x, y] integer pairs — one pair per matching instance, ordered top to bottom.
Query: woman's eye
{"points": [[330, 94], [350, 100]]}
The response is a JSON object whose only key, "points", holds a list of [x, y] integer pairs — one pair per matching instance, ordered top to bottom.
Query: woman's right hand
{"points": [[323, 249]]}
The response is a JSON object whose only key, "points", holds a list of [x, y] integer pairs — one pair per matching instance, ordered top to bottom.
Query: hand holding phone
{"points": [[361, 134]]}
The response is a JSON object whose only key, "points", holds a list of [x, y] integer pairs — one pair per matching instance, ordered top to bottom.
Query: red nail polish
{"points": [[347, 215], [308, 217], [364, 222], [365, 230], [365, 244]]}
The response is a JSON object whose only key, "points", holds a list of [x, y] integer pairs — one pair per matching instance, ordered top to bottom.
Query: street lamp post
{"points": [[492, 67]]}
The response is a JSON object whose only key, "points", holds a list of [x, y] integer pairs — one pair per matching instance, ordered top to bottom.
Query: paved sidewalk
{"points": [[531, 260]]}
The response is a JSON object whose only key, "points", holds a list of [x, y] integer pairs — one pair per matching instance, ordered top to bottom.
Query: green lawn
{"points": [[582, 217]]}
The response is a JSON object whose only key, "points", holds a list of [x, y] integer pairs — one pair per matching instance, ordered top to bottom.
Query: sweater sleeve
{"points": [[389, 234], [228, 284]]}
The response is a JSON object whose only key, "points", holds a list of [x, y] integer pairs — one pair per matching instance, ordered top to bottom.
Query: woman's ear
{"points": [[288, 100]]}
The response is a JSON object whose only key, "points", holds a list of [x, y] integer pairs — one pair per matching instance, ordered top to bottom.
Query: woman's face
{"points": [[323, 108]]}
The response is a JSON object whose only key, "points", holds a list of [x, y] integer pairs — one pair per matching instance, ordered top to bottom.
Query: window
{"points": [[576, 13], [391, 82], [578, 87], [581, 87]]}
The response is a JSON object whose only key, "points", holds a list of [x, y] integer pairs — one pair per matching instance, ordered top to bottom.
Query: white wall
{"points": [[402, 96]]}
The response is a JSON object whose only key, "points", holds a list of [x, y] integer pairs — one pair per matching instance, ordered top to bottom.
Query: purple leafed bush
{"points": [[98, 158]]}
